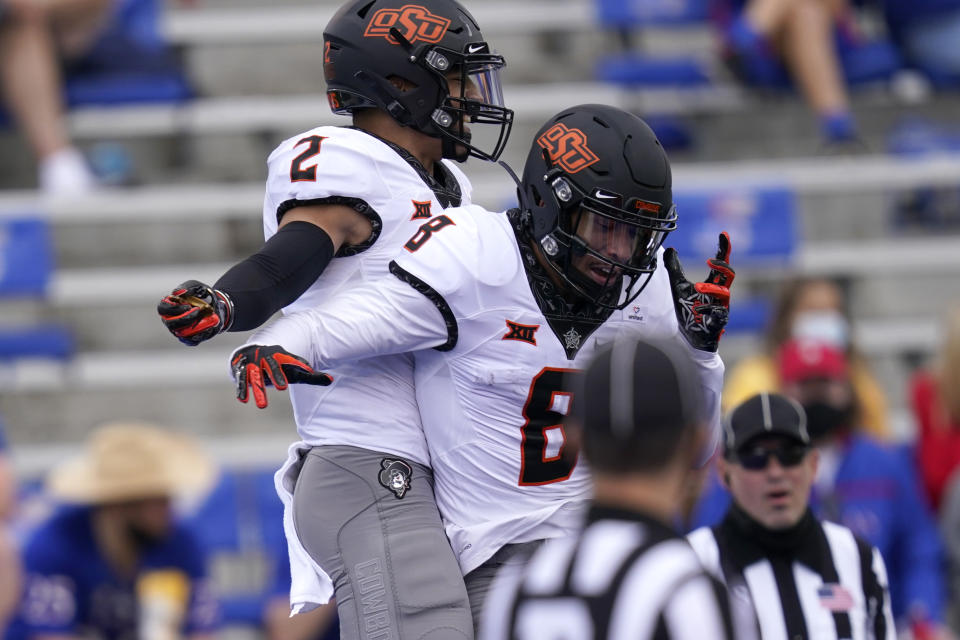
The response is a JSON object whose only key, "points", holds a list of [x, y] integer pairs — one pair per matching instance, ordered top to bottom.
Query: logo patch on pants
{"points": [[395, 475]]}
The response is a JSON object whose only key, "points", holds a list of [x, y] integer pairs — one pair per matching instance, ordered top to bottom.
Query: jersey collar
{"points": [[444, 184], [572, 324]]}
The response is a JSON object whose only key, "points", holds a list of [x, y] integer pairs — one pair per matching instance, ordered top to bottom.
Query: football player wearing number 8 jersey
{"points": [[340, 202], [500, 309]]}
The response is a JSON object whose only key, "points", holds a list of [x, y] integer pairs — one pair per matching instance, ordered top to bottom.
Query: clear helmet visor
{"points": [[483, 82], [476, 98], [627, 245]]}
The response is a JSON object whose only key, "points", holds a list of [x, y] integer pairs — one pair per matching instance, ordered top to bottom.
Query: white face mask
{"points": [[829, 327]]}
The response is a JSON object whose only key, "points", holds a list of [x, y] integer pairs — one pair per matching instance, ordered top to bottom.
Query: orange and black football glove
{"points": [[702, 308], [194, 312], [256, 366]]}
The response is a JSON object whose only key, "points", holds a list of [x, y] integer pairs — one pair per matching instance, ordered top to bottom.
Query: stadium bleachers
{"points": [[201, 165], [26, 268], [80, 342]]}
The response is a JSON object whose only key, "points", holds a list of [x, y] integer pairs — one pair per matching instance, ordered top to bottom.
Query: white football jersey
{"points": [[488, 372], [371, 403], [492, 406]]}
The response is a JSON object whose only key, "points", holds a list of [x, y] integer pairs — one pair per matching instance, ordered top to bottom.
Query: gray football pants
{"points": [[395, 576], [478, 581]]}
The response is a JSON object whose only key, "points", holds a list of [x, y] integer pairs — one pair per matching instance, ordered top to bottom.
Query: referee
{"points": [[627, 574], [790, 576]]}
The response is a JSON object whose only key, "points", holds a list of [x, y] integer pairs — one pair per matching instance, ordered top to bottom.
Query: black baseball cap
{"points": [[764, 414]]}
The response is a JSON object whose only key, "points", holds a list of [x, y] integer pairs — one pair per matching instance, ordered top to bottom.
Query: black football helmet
{"points": [[369, 42], [597, 185]]}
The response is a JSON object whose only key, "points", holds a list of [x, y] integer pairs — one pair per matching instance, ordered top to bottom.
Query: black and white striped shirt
{"points": [[625, 576], [828, 585]]}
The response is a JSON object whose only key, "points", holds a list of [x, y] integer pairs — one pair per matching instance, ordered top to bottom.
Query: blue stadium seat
{"points": [[638, 13], [871, 61], [862, 62], [129, 63], [638, 69], [925, 208], [761, 222], [26, 256], [26, 264], [750, 315], [42, 341], [241, 526]]}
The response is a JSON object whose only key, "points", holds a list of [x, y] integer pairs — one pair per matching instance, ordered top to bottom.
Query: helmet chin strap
{"points": [[453, 149], [522, 198]]}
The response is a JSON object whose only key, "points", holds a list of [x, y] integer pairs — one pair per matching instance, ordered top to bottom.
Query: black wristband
{"points": [[287, 264]]}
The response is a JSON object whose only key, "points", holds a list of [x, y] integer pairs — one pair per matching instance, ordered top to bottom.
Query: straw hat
{"points": [[131, 460]]}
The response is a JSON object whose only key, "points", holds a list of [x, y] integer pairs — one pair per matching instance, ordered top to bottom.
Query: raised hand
{"points": [[702, 308], [255, 366]]}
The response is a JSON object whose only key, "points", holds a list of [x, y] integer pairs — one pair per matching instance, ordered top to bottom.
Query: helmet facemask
{"points": [[477, 100], [602, 239]]}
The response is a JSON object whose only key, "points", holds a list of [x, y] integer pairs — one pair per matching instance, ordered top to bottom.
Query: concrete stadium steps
{"points": [[559, 45], [781, 126], [228, 138], [157, 243], [119, 251], [889, 280], [190, 388], [207, 410], [256, 451]]}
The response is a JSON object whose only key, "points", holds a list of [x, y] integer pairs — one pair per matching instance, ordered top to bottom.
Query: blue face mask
{"points": [[828, 327]]}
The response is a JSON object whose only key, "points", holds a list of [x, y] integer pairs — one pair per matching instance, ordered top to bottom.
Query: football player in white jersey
{"points": [[339, 204], [501, 308]]}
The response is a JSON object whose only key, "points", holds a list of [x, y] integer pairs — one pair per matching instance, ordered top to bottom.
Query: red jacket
{"points": [[938, 438]]}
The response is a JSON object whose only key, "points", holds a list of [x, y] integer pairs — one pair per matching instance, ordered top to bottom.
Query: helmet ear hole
{"points": [[401, 83]]}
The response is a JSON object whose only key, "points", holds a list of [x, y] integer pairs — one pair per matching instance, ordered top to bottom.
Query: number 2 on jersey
{"points": [[297, 172], [547, 402]]}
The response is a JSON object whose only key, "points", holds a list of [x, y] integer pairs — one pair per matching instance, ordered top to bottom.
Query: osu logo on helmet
{"points": [[416, 23], [567, 148]]}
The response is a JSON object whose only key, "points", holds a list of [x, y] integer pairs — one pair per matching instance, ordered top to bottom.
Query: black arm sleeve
{"points": [[287, 264]]}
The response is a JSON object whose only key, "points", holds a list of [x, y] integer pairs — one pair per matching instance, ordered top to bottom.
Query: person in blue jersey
{"points": [[112, 562]]}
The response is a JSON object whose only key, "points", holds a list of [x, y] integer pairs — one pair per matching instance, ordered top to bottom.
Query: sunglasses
{"points": [[758, 458]]}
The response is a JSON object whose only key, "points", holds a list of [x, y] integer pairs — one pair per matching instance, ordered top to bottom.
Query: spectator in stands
{"points": [[928, 32], [760, 34], [35, 36], [810, 308], [935, 395], [860, 483], [869, 488], [115, 564], [10, 569]]}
